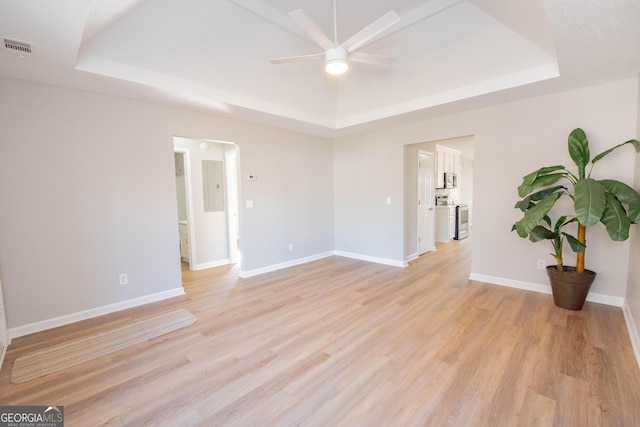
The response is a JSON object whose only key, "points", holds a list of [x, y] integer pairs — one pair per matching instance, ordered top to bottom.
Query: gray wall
{"points": [[511, 140], [88, 192], [292, 198], [633, 281]]}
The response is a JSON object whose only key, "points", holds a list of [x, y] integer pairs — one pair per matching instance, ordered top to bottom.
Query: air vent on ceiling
{"points": [[17, 47]]}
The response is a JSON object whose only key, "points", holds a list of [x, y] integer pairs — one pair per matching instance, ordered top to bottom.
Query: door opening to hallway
{"points": [[207, 202]]}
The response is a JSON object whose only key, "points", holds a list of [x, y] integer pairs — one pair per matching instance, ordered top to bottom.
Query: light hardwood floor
{"points": [[346, 342]]}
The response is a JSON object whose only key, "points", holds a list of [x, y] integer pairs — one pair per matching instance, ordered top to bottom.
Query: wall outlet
{"points": [[290, 246], [541, 264], [124, 279]]}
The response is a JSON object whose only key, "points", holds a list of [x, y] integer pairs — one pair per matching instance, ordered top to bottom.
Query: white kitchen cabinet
{"points": [[447, 160], [440, 168], [445, 223], [184, 240]]}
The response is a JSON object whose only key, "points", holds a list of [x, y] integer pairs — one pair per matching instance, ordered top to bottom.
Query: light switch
{"points": [[388, 200], [249, 204]]}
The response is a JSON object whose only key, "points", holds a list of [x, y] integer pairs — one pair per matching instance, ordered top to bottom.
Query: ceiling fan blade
{"points": [[303, 20], [370, 31], [297, 58], [370, 59]]}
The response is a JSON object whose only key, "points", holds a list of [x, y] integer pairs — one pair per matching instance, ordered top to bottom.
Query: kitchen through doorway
{"points": [[449, 193]]}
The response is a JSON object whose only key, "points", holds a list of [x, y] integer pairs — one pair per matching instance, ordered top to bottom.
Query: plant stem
{"points": [[582, 237]]}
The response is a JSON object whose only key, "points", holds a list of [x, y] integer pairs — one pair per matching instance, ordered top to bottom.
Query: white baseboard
{"points": [[416, 255], [411, 257], [385, 261], [212, 264], [250, 273], [545, 289], [31, 328], [633, 331]]}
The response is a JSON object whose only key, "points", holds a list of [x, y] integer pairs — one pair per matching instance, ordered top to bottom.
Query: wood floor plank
{"points": [[344, 342]]}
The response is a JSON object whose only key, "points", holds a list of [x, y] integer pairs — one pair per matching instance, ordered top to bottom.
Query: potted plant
{"points": [[611, 202]]}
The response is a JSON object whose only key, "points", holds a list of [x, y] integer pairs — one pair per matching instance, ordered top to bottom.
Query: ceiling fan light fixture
{"points": [[336, 61], [336, 67]]}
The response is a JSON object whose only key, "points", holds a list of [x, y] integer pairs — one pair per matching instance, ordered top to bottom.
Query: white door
{"points": [[426, 201]]}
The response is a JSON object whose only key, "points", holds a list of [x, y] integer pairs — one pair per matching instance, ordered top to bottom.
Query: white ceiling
{"points": [[214, 55]]}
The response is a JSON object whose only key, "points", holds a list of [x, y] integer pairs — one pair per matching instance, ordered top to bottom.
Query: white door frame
{"points": [[186, 156], [233, 223], [5, 339]]}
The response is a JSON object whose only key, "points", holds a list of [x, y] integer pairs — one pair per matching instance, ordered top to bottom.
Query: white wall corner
{"points": [[385, 261], [250, 273], [244, 274], [43, 325], [633, 331]]}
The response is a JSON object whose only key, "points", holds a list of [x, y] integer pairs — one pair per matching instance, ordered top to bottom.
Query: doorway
{"points": [[418, 189], [207, 202]]}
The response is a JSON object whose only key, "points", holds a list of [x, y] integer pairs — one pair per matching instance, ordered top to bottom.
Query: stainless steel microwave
{"points": [[450, 180]]}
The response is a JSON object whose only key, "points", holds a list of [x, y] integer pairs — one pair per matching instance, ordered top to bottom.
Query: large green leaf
{"points": [[634, 142], [579, 149], [528, 179], [540, 181], [626, 195], [589, 201], [525, 203], [534, 215], [615, 219], [560, 223], [541, 233], [575, 244]]}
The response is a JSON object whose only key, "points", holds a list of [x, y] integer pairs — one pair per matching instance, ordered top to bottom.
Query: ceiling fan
{"points": [[336, 55]]}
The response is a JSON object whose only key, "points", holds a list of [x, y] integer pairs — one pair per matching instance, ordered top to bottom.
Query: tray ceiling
{"points": [[214, 55]]}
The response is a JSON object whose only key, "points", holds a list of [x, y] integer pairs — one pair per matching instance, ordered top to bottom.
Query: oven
{"points": [[462, 221]]}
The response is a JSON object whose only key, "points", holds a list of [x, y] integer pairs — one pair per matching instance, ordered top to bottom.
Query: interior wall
{"points": [[511, 140], [366, 172], [87, 186], [88, 190], [292, 198], [210, 228], [633, 282]]}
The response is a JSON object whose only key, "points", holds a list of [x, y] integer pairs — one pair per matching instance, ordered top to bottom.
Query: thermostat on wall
{"points": [[251, 177]]}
